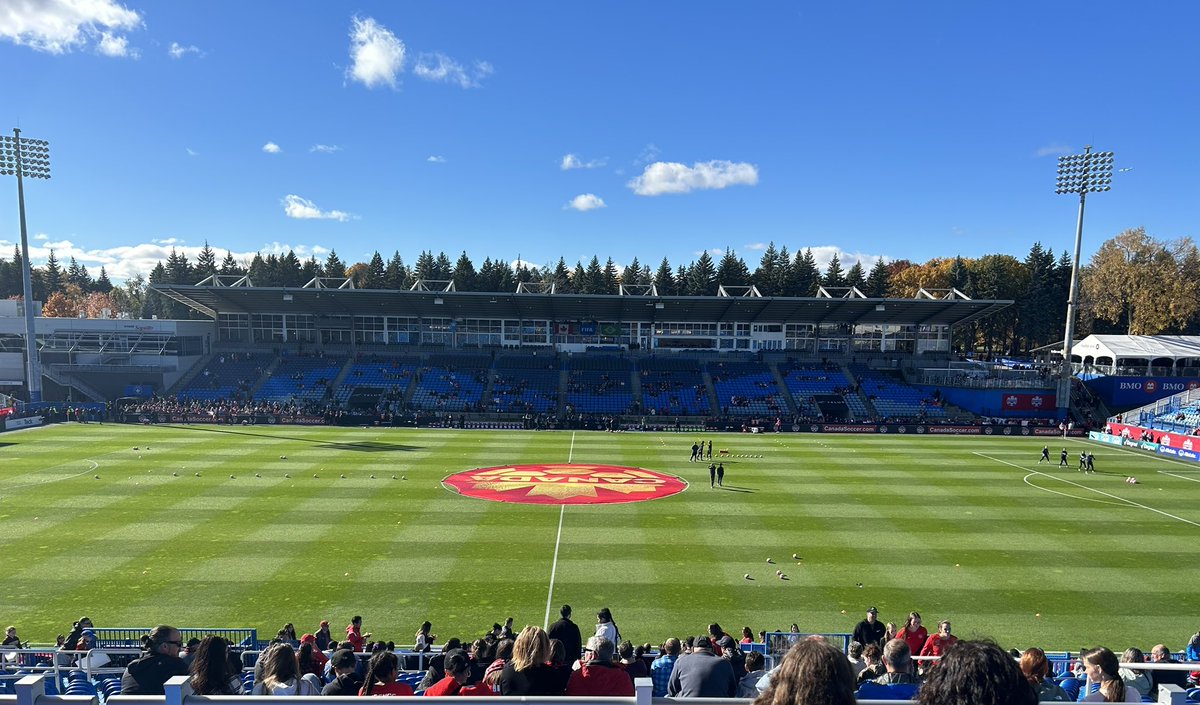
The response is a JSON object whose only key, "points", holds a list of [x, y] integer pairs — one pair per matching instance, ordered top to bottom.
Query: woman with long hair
{"points": [[606, 627], [913, 633], [424, 640], [310, 658], [1101, 666], [1036, 668], [212, 669], [382, 671], [529, 672], [813, 672], [976, 673], [281, 674], [1135, 678]]}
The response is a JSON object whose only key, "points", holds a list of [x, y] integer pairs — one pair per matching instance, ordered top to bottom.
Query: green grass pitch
{"points": [[969, 529]]}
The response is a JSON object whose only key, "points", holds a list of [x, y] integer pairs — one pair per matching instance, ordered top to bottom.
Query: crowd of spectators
{"points": [[879, 665]]}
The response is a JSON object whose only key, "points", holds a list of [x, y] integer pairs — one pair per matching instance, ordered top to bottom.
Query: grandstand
{"points": [[673, 387], [747, 389]]}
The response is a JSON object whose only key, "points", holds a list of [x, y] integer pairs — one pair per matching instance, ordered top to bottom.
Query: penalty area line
{"points": [[1128, 502], [562, 511]]}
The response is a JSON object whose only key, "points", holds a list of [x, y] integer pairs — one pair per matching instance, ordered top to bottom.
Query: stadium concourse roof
{"points": [[214, 300], [1140, 347]]}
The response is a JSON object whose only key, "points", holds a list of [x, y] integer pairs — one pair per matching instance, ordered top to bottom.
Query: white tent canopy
{"points": [[1137, 354]]}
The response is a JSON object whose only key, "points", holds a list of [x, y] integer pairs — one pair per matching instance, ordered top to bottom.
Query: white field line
{"points": [[1140, 453], [95, 466], [1181, 477], [1066, 494], [1129, 502], [562, 511]]}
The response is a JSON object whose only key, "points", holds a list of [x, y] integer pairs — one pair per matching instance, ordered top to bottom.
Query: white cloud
{"points": [[61, 26], [116, 46], [178, 51], [377, 55], [436, 66], [271, 148], [325, 148], [1052, 150], [191, 152], [649, 154], [435, 159], [570, 161], [673, 177], [586, 202], [303, 209], [41, 236], [168, 241], [756, 246], [712, 252], [127, 261], [528, 265]]}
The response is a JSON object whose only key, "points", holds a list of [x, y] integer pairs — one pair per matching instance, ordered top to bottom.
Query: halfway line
{"points": [[1090, 489], [557, 542]]}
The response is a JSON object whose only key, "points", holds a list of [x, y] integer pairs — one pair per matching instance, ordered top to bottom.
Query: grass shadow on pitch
{"points": [[357, 446]]}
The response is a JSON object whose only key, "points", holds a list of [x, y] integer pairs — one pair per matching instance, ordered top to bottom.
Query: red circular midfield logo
{"points": [[564, 484]]}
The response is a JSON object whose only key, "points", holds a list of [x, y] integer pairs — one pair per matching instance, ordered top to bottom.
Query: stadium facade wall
{"points": [[1122, 393], [1024, 404]]}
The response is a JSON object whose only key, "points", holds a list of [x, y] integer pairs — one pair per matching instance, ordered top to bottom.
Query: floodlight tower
{"points": [[24, 157], [1090, 172]]}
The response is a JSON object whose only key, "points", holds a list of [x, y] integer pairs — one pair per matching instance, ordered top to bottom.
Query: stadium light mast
{"points": [[23, 157], [1090, 172]]}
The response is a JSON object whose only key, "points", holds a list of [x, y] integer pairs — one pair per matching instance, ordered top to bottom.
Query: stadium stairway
{"points": [[342, 373], [266, 375], [60, 376], [188, 376], [563, 376], [635, 384], [787, 395], [862, 396], [713, 402]]}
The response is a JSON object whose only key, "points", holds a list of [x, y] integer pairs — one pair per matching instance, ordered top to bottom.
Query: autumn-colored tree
{"points": [[1149, 287], [66, 303], [95, 304]]}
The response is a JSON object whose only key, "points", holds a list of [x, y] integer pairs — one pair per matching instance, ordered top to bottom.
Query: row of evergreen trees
{"points": [[1038, 284]]}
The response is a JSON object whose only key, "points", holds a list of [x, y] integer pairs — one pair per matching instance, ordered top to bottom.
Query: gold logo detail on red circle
{"points": [[564, 484]]}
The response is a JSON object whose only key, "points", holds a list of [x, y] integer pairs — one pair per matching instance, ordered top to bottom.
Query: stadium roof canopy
{"points": [[932, 308], [1138, 347]]}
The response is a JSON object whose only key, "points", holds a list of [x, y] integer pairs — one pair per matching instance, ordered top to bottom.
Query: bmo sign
{"points": [[1135, 391]]}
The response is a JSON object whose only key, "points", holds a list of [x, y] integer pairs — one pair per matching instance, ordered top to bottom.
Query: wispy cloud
{"points": [[62, 26], [116, 46], [178, 51], [376, 55], [436, 66], [272, 148], [325, 148], [1052, 150], [191, 152], [649, 154], [435, 159], [571, 161], [672, 177], [586, 202], [303, 209], [756, 246], [823, 254], [127, 261]]}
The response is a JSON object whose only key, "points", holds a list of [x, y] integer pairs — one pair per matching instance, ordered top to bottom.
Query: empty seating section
{"points": [[226, 376], [378, 377], [301, 378], [806, 380], [525, 384], [599, 385], [456, 387], [674, 387], [746, 388], [892, 397], [1180, 419]]}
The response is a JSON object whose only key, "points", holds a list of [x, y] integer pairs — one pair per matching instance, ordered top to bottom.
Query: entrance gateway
{"points": [[564, 483]]}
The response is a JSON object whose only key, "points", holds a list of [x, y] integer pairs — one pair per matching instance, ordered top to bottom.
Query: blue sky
{"points": [[897, 129]]}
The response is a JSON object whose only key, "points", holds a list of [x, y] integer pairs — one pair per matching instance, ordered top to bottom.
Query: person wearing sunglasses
{"points": [[147, 675]]}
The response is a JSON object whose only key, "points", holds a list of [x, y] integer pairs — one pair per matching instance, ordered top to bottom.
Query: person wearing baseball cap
{"points": [[870, 630], [324, 637], [702, 674]]}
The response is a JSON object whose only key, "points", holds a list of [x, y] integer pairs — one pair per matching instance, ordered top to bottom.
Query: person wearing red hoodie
{"points": [[354, 633], [913, 633], [458, 672], [598, 676]]}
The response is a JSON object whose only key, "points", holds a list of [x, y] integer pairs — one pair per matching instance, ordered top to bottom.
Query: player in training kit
{"points": [[1045, 455], [1062, 458], [1083, 460], [1091, 462], [721, 474], [712, 475]]}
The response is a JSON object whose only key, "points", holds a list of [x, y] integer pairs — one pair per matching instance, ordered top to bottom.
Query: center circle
{"points": [[564, 483]]}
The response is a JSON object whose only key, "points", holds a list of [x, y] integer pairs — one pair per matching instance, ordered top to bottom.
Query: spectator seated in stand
{"points": [[813, 672], [976, 673], [898, 682]]}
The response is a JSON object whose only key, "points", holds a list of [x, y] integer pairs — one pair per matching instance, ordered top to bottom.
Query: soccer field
{"points": [[209, 526]]}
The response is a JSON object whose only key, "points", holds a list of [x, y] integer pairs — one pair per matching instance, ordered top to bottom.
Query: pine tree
{"points": [[206, 262], [229, 265], [334, 267], [425, 268], [310, 269], [732, 271], [375, 272], [289, 273], [632, 274], [53, 275], [396, 275], [834, 275], [561, 276], [856, 276], [610, 277], [765, 277], [805, 278], [594, 279], [664, 279], [702, 279], [878, 280], [103, 285]]}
